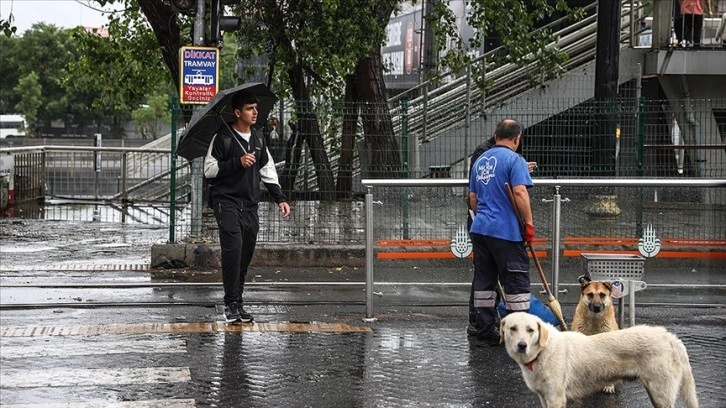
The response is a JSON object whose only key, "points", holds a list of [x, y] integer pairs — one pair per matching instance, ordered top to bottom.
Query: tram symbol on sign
{"points": [[198, 79]]}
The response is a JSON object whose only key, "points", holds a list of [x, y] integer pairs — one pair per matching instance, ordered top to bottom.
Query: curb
{"points": [[207, 255]]}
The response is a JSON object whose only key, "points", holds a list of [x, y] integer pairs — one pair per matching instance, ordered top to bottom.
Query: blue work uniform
{"points": [[499, 250]]}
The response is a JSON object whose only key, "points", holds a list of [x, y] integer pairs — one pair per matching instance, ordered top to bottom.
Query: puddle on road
{"points": [[119, 245], [24, 249]]}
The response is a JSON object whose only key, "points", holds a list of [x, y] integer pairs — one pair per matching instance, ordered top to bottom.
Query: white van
{"points": [[12, 126]]}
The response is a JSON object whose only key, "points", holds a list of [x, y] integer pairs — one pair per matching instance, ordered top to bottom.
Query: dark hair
{"points": [[243, 98], [508, 129]]}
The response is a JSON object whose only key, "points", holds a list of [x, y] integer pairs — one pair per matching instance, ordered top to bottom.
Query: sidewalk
{"points": [[416, 352]]}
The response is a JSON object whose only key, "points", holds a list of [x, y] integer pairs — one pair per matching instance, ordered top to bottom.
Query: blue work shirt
{"points": [[495, 216]]}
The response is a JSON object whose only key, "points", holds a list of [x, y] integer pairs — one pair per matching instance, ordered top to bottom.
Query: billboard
{"points": [[402, 51], [199, 73]]}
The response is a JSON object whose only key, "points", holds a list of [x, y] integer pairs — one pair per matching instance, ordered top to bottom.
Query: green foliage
{"points": [[516, 22], [7, 26], [327, 38], [45, 50], [228, 62], [118, 69], [83, 76], [30, 100], [153, 116]]}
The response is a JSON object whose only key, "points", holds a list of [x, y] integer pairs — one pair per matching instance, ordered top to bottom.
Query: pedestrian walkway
{"points": [[157, 346], [407, 357]]}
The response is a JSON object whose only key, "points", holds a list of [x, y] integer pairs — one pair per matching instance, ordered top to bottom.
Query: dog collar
{"points": [[530, 365]]}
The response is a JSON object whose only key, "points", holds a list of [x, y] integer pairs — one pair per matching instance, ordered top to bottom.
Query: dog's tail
{"points": [[688, 384]]}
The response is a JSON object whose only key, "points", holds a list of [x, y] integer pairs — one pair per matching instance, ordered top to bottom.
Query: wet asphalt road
{"points": [[415, 354]]}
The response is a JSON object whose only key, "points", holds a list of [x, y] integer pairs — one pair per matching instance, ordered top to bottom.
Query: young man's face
{"points": [[247, 114]]}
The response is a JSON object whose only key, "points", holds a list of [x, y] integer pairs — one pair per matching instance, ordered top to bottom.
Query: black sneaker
{"points": [[231, 313], [243, 315], [471, 330], [492, 339]]}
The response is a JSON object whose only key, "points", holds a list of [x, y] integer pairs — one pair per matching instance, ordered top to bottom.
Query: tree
{"points": [[517, 23], [7, 26], [312, 48], [45, 50], [329, 50], [121, 67], [30, 101], [153, 116]]}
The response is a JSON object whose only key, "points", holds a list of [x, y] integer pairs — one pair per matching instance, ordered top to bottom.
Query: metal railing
{"points": [[577, 40], [714, 226]]}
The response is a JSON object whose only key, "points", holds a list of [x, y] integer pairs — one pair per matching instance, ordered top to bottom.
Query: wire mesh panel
{"points": [[613, 266]]}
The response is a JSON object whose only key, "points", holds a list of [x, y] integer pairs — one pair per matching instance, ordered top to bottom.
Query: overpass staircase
{"points": [[449, 120]]}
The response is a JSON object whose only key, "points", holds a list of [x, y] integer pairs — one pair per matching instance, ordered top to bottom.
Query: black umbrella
{"points": [[205, 123]]}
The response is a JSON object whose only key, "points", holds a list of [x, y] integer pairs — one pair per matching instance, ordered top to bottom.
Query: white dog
{"points": [[560, 365]]}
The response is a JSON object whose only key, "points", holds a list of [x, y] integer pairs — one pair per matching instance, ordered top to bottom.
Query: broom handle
{"points": [[531, 250], [541, 272]]}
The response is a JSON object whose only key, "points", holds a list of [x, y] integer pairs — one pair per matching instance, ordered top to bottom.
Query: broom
{"points": [[551, 301]]}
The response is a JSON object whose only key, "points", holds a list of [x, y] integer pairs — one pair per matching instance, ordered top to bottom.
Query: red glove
{"points": [[528, 233]]}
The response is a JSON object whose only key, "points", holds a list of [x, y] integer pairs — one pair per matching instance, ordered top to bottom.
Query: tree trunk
{"points": [[163, 23], [308, 126], [350, 127], [383, 148], [293, 153]]}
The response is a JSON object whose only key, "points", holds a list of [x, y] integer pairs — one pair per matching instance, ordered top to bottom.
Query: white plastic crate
{"points": [[613, 266]]}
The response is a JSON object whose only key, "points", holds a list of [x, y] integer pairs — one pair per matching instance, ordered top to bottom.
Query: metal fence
{"points": [[627, 137], [94, 183], [678, 225]]}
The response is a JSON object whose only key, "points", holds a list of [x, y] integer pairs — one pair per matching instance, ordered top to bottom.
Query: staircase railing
{"points": [[578, 40]]}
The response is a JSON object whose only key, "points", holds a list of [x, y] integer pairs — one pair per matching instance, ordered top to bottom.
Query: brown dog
{"points": [[595, 312]]}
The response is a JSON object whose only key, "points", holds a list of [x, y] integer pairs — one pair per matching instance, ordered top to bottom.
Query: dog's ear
{"points": [[584, 280], [608, 285], [501, 331], [543, 334]]}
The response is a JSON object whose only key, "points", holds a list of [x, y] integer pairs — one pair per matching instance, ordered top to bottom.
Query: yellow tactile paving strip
{"points": [[313, 327]]}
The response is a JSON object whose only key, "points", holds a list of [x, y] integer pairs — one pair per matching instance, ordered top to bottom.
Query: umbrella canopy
{"points": [[204, 124]]}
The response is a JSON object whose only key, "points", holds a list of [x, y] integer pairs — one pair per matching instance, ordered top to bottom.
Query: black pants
{"points": [[692, 27], [678, 28], [237, 239], [499, 260], [472, 310]]}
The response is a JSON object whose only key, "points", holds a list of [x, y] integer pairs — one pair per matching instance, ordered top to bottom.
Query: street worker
{"points": [[486, 145], [235, 167], [499, 243]]}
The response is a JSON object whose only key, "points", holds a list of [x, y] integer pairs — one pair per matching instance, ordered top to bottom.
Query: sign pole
{"points": [[97, 142], [197, 165]]}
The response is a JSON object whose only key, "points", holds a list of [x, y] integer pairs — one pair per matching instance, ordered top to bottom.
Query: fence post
{"points": [[467, 115], [97, 142], [406, 166], [639, 167], [172, 171], [43, 173], [124, 176], [556, 220], [369, 254]]}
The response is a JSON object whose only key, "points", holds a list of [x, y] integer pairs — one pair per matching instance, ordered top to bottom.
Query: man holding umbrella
{"points": [[237, 160]]}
